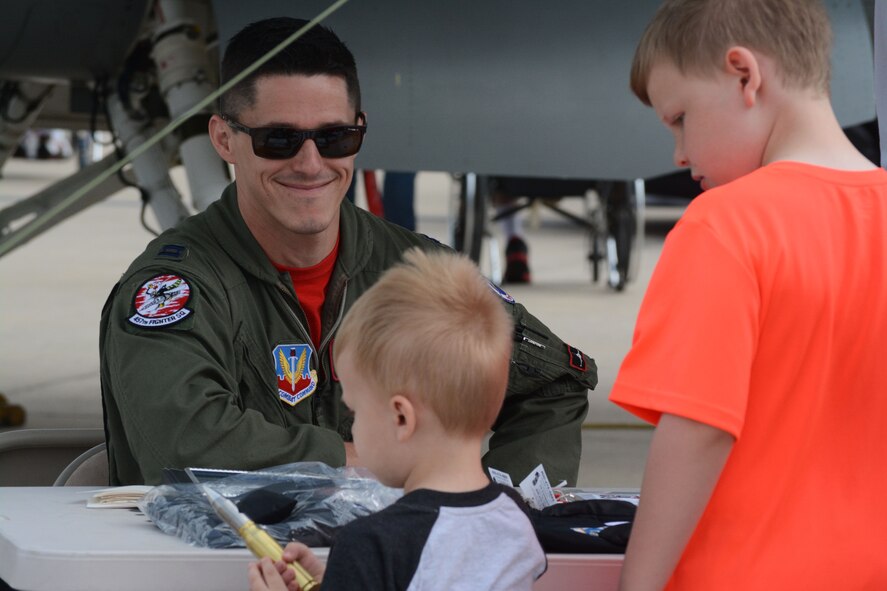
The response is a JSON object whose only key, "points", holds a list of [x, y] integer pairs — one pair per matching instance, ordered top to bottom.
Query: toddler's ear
{"points": [[743, 63], [404, 417]]}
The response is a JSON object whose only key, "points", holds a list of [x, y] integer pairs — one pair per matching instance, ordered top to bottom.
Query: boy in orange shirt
{"points": [[759, 347]]}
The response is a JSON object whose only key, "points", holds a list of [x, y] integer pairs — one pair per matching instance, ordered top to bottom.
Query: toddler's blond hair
{"points": [[432, 326]]}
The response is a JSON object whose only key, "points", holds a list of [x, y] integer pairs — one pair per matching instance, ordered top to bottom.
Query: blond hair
{"points": [[696, 34], [433, 327]]}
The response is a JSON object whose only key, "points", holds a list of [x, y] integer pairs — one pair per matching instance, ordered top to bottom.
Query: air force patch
{"points": [[160, 301], [296, 380]]}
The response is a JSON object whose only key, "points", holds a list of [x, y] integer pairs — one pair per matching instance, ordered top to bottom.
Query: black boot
{"points": [[517, 263]]}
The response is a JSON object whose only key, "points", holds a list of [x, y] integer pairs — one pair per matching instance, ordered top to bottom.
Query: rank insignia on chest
{"points": [[296, 381]]}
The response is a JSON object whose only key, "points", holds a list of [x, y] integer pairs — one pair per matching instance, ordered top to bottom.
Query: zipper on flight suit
{"points": [[289, 306], [338, 321], [521, 327], [520, 337], [327, 339], [323, 342]]}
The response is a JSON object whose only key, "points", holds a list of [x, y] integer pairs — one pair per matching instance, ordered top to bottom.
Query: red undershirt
{"points": [[310, 285]]}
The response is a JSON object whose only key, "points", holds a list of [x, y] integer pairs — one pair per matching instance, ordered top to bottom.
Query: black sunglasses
{"points": [[280, 143]]}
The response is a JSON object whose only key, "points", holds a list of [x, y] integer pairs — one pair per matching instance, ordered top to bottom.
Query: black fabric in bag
{"points": [[581, 527]]}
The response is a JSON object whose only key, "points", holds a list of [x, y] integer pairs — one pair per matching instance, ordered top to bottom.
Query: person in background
{"points": [[397, 198]]}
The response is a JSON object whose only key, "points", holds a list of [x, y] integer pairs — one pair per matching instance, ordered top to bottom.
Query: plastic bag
{"points": [[325, 498]]}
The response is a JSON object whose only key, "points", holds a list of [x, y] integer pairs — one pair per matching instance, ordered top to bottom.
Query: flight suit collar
{"points": [[230, 230], [355, 241]]}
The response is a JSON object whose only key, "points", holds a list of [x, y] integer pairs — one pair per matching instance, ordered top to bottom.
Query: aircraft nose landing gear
{"points": [[613, 220]]}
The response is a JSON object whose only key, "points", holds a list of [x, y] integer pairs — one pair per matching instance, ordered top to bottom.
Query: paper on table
{"points": [[119, 497]]}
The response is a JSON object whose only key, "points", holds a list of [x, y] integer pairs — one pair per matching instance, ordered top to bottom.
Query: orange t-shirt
{"points": [[310, 285], [766, 317]]}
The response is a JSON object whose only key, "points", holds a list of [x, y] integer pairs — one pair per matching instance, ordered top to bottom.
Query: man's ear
{"points": [[742, 63], [222, 137], [404, 417]]}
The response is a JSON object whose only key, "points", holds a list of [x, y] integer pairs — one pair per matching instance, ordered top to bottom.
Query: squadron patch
{"points": [[501, 292], [160, 301], [296, 381]]}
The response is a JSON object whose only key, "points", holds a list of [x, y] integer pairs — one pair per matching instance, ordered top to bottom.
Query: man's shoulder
{"points": [[382, 228], [375, 244], [187, 247], [186, 257]]}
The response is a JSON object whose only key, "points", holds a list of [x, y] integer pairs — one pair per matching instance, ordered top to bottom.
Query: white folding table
{"points": [[50, 541]]}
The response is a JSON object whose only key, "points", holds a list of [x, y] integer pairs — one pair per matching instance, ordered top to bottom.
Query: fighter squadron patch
{"points": [[160, 301], [296, 380]]}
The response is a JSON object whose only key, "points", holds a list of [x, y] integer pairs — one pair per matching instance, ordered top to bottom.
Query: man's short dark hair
{"points": [[318, 51]]}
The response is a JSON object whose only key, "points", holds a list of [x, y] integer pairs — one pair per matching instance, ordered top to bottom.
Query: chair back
{"points": [[35, 457], [88, 469]]}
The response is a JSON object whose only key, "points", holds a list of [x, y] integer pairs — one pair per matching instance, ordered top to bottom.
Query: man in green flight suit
{"points": [[216, 342]]}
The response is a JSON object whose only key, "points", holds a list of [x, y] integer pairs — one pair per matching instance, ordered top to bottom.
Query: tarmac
{"points": [[52, 290]]}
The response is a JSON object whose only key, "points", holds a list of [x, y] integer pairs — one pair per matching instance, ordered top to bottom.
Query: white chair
{"points": [[35, 457], [88, 469]]}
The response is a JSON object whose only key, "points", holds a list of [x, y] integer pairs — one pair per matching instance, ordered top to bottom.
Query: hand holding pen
{"points": [[257, 540], [277, 576]]}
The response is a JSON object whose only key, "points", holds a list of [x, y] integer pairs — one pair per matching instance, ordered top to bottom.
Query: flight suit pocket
{"points": [[542, 363], [256, 382]]}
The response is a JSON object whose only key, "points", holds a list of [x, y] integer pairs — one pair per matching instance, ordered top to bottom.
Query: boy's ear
{"points": [[742, 63], [220, 136], [404, 417]]}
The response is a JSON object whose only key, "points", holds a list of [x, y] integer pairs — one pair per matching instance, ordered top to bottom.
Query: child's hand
{"points": [[296, 552], [269, 576], [277, 576]]}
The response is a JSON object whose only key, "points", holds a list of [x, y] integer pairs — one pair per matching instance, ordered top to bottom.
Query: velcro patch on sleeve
{"points": [[172, 252], [161, 301], [577, 359]]}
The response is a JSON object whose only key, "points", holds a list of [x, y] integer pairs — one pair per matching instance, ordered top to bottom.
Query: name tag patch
{"points": [[160, 301], [296, 381]]}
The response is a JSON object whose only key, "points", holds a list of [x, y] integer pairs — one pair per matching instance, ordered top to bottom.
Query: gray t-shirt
{"points": [[435, 540]]}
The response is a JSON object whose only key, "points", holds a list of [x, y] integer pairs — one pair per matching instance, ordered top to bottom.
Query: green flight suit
{"points": [[200, 388]]}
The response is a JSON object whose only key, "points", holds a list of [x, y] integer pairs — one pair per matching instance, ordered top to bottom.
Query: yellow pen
{"points": [[257, 539]]}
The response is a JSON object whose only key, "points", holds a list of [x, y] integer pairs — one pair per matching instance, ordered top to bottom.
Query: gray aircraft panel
{"points": [[512, 87], [520, 87]]}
